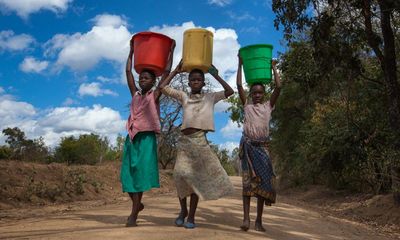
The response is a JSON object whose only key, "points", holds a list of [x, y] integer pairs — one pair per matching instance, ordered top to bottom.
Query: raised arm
{"points": [[214, 72], [129, 76], [168, 79], [278, 85], [157, 92], [242, 93]]}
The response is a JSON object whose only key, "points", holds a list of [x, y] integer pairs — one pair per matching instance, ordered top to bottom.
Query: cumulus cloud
{"points": [[219, 3], [24, 8], [107, 40], [11, 42], [30, 64], [94, 89], [69, 102], [221, 106], [66, 121], [52, 124], [231, 130], [230, 146]]}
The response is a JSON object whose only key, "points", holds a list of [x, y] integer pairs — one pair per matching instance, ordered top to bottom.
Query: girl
{"points": [[139, 170], [197, 172], [257, 172]]}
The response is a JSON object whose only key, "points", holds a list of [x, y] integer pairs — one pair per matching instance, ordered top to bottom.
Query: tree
{"points": [[342, 31], [21, 148], [86, 149], [225, 159]]}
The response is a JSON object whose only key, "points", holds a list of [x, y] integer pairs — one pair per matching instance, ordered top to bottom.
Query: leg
{"points": [[194, 200], [141, 206], [260, 209], [135, 210], [246, 213], [180, 220]]}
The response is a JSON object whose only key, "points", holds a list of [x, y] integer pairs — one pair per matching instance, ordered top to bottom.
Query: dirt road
{"points": [[215, 219]]}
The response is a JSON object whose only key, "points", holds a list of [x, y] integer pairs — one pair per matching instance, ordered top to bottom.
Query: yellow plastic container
{"points": [[197, 49]]}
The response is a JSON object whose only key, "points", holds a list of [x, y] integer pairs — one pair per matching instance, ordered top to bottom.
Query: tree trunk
{"points": [[393, 92]]}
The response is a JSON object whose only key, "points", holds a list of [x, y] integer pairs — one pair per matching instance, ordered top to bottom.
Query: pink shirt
{"points": [[145, 114], [256, 120]]}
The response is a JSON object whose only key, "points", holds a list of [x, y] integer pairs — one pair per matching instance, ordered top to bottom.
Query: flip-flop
{"points": [[179, 221], [189, 225]]}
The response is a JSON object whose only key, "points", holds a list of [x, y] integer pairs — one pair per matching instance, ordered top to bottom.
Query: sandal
{"points": [[179, 221], [189, 225]]}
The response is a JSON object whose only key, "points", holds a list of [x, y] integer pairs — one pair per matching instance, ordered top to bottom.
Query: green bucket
{"points": [[257, 63]]}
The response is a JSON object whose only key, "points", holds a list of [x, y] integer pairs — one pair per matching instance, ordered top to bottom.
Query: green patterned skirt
{"points": [[139, 169]]}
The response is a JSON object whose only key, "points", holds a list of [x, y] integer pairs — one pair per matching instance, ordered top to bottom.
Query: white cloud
{"points": [[219, 3], [24, 8], [240, 17], [106, 20], [252, 30], [107, 40], [10, 41], [30, 64], [107, 79], [94, 89], [2, 90], [69, 102], [221, 106], [10, 109], [14, 113], [67, 121], [52, 124], [231, 130], [230, 146]]}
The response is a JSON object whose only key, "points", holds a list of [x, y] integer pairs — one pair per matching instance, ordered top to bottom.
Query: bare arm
{"points": [[214, 72], [129, 76], [168, 79], [278, 85], [157, 92], [242, 93]]}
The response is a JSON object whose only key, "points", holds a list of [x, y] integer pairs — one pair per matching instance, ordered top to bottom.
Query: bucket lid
{"points": [[256, 46]]}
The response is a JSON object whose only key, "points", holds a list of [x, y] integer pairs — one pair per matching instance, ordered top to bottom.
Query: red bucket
{"points": [[151, 51]]}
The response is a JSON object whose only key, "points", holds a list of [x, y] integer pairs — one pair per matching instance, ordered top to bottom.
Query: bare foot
{"points": [[141, 207], [131, 222], [246, 225], [259, 227]]}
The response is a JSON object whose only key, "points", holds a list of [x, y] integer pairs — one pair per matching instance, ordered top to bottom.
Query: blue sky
{"points": [[62, 61]]}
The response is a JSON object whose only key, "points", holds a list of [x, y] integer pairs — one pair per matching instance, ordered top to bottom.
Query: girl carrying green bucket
{"points": [[257, 172]]}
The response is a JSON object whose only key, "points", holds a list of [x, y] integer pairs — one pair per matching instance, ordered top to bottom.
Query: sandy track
{"points": [[215, 219]]}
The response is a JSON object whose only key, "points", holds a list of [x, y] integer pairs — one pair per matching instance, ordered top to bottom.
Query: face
{"points": [[146, 82], [196, 82], [257, 94]]}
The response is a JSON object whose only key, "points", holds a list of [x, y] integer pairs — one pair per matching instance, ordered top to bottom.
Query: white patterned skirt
{"points": [[198, 170]]}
